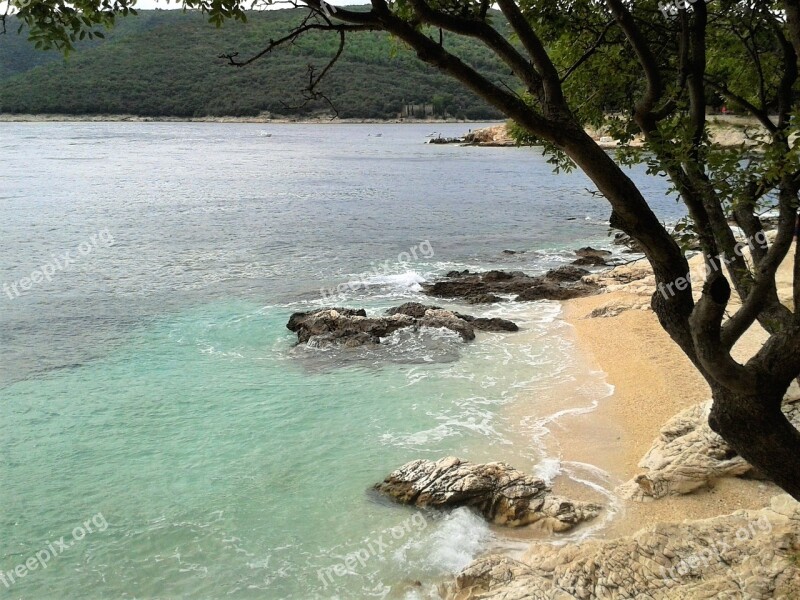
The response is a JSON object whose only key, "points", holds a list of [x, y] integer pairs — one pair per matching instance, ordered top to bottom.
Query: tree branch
{"points": [[485, 33], [586, 55], [553, 102]]}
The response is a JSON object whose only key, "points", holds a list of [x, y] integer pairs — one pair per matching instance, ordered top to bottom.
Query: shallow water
{"points": [[153, 381]]}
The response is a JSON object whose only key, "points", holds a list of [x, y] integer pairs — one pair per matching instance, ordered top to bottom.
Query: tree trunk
{"points": [[759, 431]]}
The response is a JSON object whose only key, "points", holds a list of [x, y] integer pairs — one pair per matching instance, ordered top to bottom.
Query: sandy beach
{"points": [[653, 381]]}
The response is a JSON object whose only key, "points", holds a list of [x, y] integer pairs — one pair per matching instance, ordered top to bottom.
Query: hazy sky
{"points": [[145, 4]]}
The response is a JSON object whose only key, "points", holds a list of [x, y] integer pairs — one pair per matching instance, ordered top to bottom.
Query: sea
{"points": [[164, 435]]}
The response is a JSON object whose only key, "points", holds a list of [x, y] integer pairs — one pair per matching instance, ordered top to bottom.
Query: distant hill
{"points": [[165, 63]]}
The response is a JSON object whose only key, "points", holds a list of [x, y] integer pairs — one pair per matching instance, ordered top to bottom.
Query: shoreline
{"points": [[264, 120], [651, 381], [653, 544]]}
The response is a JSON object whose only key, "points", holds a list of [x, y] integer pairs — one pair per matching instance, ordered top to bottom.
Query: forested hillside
{"points": [[165, 63]]}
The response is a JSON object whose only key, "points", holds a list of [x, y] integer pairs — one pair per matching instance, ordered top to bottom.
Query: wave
{"points": [[456, 539]]}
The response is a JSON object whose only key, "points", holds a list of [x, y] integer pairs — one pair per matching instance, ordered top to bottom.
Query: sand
{"points": [[653, 380]]}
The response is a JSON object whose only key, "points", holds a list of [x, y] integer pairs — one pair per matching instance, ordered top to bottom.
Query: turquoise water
{"points": [[155, 388], [226, 463]]}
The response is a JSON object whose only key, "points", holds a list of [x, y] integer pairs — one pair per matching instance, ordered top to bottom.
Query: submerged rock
{"points": [[558, 284], [484, 299], [493, 324], [351, 328], [499, 492], [747, 554]]}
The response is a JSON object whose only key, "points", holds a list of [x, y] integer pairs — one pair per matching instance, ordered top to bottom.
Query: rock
{"points": [[490, 136], [446, 140], [623, 239], [511, 252], [589, 252], [590, 261], [457, 273], [566, 273], [624, 275], [497, 276], [558, 284], [547, 290], [483, 299], [412, 309], [608, 310], [296, 320], [449, 321], [493, 324], [343, 326], [352, 328], [689, 455], [502, 494], [747, 554]]}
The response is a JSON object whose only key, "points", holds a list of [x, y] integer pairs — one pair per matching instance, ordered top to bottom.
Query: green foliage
{"points": [[54, 24], [165, 63], [603, 81], [556, 157], [685, 233]]}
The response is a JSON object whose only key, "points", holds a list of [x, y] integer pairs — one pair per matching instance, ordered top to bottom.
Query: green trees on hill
{"points": [[165, 63]]}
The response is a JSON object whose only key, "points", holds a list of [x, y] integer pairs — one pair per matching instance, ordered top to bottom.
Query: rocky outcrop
{"points": [[490, 136], [446, 140], [589, 251], [591, 257], [590, 261], [633, 278], [558, 284], [412, 309], [421, 311], [493, 324], [351, 328], [688, 455], [499, 492], [748, 554]]}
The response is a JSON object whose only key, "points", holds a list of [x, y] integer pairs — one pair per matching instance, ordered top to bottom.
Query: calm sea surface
{"points": [[155, 412]]}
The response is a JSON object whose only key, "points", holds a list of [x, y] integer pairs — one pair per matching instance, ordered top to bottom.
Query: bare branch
{"points": [[482, 31], [293, 36], [432, 53], [588, 54], [655, 85], [761, 114]]}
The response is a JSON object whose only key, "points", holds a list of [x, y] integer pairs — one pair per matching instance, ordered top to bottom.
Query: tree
{"points": [[641, 68]]}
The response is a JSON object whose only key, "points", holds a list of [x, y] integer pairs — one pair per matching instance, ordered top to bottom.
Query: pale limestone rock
{"points": [[689, 455], [499, 492], [748, 555]]}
